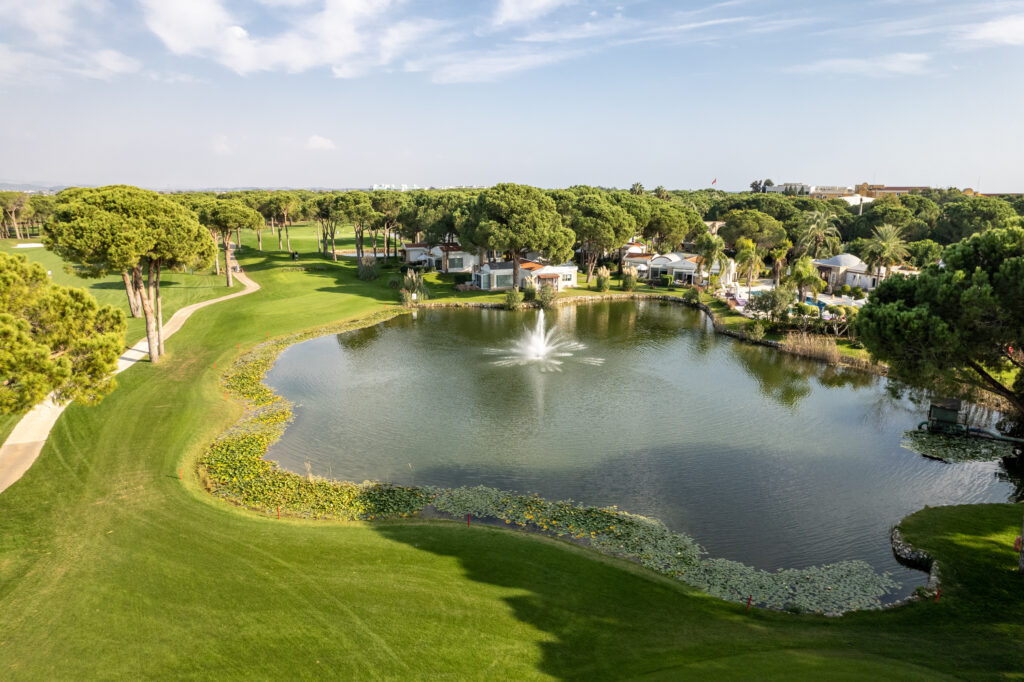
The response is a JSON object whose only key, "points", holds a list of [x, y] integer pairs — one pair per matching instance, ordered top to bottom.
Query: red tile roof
{"points": [[639, 255]]}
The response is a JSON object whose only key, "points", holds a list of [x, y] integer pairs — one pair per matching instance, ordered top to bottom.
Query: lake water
{"points": [[763, 458]]}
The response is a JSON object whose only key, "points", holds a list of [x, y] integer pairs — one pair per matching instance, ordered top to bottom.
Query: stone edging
{"points": [[912, 557]]}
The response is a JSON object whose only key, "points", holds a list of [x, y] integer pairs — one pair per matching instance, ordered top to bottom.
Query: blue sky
{"points": [[346, 93]]}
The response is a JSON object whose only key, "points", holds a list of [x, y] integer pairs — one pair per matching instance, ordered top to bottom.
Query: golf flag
{"points": [[714, 181]]}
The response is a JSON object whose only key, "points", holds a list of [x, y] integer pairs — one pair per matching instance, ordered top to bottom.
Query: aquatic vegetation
{"points": [[955, 448]]}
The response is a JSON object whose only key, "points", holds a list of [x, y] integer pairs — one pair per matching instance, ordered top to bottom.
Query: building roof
{"points": [[417, 245], [634, 256], [843, 260], [494, 265], [530, 265], [551, 276]]}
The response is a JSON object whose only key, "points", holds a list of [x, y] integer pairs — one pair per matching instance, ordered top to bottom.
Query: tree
{"points": [[756, 187], [637, 189], [661, 193], [11, 204], [285, 204], [43, 206], [354, 206], [388, 206], [883, 211], [231, 214], [968, 215], [513, 218], [671, 224], [599, 226], [761, 228], [132, 231], [819, 234], [887, 247], [711, 250], [924, 252], [779, 255], [749, 262], [804, 275], [774, 303], [961, 324], [53, 339]]}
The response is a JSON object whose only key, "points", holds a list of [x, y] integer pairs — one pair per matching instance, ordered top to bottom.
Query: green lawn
{"points": [[178, 289], [112, 567]]}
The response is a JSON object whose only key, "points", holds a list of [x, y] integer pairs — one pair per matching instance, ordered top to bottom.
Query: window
{"points": [[455, 263], [566, 276], [502, 281]]}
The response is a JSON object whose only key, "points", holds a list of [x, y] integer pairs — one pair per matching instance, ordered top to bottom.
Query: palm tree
{"points": [[637, 188], [661, 193], [819, 231], [887, 246], [711, 250], [779, 254], [750, 263], [804, 274]]}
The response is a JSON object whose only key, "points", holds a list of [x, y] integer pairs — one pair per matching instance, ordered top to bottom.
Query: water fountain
{"points": [[548, 349]]}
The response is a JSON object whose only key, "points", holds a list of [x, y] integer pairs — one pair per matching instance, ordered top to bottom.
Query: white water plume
{"points": [[548, 349]]}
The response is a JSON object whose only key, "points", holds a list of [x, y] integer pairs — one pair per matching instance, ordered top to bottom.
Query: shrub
{"points": [[368, 269], [463, 278], [629, 278], [604, 279], [665, 280], [394, 282], [413, 288], [530, 290], [845, 290], [857, 293], [692, 295], [546, 296], [513, 299], [755, 330]]}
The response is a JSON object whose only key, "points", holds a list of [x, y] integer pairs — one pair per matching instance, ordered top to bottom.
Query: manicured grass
{"points": [[178, 289], [110, 566]]}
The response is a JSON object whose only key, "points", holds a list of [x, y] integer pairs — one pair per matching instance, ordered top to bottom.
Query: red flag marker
{"points": [[468, 518], [938, 594], [749, 599]]}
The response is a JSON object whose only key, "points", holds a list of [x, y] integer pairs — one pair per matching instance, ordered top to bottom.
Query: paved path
{"points": [[28, 438]]}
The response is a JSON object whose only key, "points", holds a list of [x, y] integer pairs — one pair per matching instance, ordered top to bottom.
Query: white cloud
{"points": [[519, 11], [52, 22], [1008, 30], [584, 31], [332, 36], [105, 64], [897, 64], [477, 67], [319, 143], [220, 145]]}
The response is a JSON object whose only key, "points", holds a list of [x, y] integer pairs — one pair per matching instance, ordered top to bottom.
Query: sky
{"points": [[349, 93]]}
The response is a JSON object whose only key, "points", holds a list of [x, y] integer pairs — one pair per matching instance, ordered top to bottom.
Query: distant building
{"points": [[813, 191], [875, 191]]}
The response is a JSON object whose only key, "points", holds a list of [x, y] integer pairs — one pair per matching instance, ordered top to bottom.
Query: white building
{"points": [[458, 260], [684, 269], [846, 269], [495, 276]]}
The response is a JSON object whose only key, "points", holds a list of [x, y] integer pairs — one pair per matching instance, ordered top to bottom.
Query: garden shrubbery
{"points": [[368, 269], [629, 278], [604, 279], [546, 296], [513, 299]]}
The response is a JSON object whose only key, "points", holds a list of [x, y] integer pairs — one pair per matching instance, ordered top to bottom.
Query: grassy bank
{"points": [[111, 566]]}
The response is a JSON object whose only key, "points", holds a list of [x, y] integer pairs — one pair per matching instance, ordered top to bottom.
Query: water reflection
{"points": [[751, 450]]}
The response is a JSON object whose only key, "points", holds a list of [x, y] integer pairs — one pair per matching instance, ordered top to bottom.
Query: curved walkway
{"points": [[27, 439]]}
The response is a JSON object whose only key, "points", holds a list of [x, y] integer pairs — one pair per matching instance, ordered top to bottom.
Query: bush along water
{"points": [[233, 468]]}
